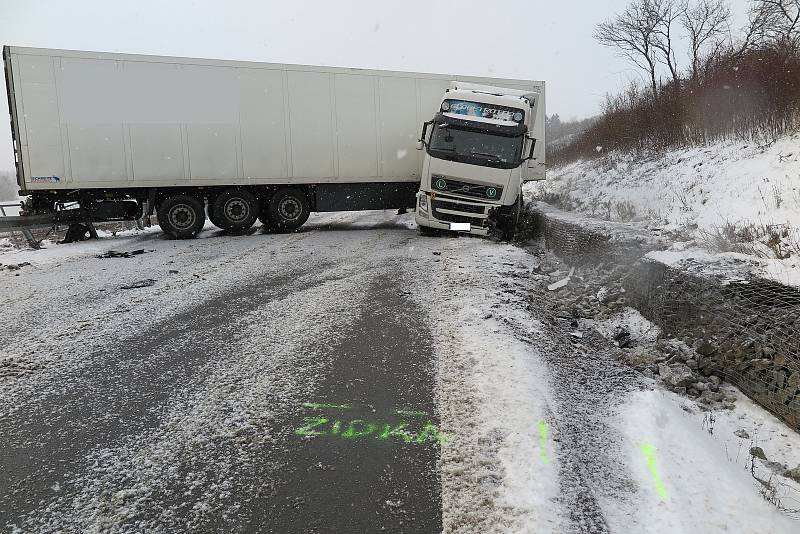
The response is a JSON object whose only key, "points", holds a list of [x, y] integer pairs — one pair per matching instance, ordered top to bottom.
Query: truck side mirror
{"points": [[422, 141], [529, 157]]}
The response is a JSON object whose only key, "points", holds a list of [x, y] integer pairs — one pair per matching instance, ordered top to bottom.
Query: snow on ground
{"points": [[709, 196], [53, 252], [689, 257], [640, 329], [36, 340], [244, 386], [701, 459], [500, 467], [498, 473], [705, 485]]}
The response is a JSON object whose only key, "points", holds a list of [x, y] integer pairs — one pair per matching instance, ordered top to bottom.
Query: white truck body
{"points": [[88, 120], [125, 135], [482, 145]]}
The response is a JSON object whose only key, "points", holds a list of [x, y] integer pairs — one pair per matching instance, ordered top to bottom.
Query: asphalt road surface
{"points": [[350, 377]]}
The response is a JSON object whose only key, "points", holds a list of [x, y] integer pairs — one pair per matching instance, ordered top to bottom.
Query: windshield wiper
{"points": [[491, 156]]}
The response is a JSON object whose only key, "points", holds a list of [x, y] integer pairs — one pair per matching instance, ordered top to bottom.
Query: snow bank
{"points": [[703, 186], [713, 201], [492, 393], [706, 485]]}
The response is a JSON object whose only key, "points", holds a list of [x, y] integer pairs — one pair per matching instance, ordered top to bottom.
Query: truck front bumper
{"points": [[450, 213]]}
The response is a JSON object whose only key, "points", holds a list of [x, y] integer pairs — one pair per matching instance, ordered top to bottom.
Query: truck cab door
{"points": [[532, 168]]}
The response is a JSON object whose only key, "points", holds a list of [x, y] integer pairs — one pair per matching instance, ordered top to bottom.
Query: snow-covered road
{"points": [[351, 377]]}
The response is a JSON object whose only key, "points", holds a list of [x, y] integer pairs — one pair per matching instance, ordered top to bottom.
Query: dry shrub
{"points": [[752, 95], [780, 241]]}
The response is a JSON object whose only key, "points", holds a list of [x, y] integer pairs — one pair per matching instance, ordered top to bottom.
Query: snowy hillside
{"points": [[730, 198]]}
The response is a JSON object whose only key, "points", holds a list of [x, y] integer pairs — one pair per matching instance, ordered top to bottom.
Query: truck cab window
{"points": [[477, 148]]}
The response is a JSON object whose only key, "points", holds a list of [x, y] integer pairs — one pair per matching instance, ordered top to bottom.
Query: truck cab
{"points": [[480, 147]]}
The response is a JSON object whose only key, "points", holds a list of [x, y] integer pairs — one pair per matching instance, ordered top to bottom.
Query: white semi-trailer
{"points": [[125, 135]]}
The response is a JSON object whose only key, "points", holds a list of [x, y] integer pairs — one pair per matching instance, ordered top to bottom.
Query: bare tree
{"points": [[663, 14], [782, 21], [772, 22], [707, 23], [632, 33]]}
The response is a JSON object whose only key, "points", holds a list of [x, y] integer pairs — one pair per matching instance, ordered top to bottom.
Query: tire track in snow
{"points": [[384, 363], [586, 384], [189, 471], [124, 484]]}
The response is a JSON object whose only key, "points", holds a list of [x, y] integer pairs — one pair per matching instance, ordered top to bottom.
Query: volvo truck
{"points": [[108, 137], [483, 143]]}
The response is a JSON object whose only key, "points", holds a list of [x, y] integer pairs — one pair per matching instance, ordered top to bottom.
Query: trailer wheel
{"points": [[288, 209], [234, 210], [210, 212], [181, 216], [266, 223]]}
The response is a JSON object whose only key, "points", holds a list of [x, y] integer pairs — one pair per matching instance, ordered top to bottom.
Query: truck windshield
{"points": [[476, 148]]}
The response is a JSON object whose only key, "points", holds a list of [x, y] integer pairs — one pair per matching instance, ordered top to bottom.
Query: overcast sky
{"points": [[531, 39]]}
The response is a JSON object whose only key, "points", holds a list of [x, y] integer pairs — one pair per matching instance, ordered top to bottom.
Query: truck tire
{"points": [[288, 209], [234, 210], [210, 212], [181, 216], [509, 220], [266, 223]]}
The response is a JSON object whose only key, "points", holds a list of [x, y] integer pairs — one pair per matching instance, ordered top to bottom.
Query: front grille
{"points": [[448, 185], [454, 206], [448, 217], [474, 220]]}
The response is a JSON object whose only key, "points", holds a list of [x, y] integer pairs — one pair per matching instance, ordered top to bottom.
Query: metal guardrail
{"points": [[68, 214], [12, 223]]}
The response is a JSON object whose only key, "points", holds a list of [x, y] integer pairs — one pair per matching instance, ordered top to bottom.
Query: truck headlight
{"points": [[423, 202]]}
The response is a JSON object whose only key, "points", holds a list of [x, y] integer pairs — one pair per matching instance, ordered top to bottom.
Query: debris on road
{"points": [[118, 254], [14, 266], [141, 283], [561, 283], [596, 300], [623, 337], [678, 375]]}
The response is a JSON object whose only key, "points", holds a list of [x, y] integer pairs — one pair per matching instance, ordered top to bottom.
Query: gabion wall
{"points": [[578, 240], [746, 332]]}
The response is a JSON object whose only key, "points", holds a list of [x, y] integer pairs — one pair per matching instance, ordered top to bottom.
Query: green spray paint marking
{"points": [[318, 406], [310, 424], [316, 427], [355, 429], [358, 429], [399, 431], [429, 431], [543, 441], [650, 454]]}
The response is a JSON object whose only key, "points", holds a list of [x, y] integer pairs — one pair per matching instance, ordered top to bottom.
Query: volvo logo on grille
{"points": [[466, 189]]}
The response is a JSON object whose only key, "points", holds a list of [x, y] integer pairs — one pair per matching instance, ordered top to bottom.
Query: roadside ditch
{"points": [[712, 326]]}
